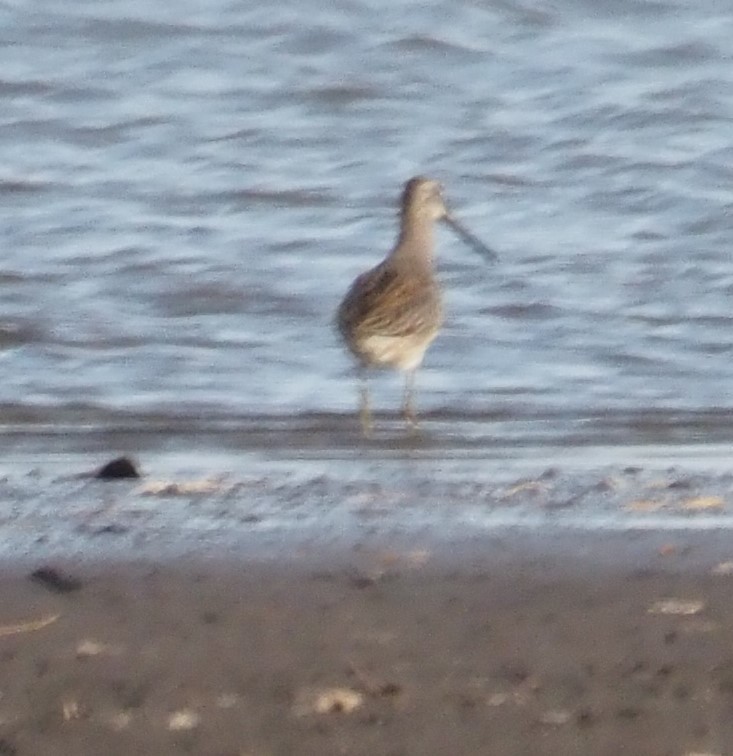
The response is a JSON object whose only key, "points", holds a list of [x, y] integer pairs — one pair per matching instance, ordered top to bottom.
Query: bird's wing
{"points": [[381, 302]]}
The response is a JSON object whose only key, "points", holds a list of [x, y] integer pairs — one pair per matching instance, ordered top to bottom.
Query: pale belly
{"points": [[402, 353]]}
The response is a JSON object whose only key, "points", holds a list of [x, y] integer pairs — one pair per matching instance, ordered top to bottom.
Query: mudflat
{"points": [[500, 645]]}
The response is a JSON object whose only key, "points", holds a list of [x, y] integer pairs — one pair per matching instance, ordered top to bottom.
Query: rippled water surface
{"points": [[187, 189]]}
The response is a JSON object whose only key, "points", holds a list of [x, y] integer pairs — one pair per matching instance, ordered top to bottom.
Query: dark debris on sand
{"points": [[120, 468], [54, 580]]}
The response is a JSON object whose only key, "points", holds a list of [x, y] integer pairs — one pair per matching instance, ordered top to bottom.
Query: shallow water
{"points": [[187, 190], [267, 505]]}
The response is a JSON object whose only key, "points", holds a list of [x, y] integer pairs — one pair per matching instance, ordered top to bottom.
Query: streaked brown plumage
{"points": [[392, 313], [389, 318]]}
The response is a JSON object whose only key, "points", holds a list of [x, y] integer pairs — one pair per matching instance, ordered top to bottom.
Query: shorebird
{"points": [[391, 314]]}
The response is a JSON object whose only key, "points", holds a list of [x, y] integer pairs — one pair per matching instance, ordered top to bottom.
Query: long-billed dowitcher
{"points": [[392, 313]]}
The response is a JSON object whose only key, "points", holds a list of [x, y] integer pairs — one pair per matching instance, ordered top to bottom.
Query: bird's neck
{"points": [[416, 242]]}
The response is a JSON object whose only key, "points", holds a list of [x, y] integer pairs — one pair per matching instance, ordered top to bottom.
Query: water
{"points": [[186, 191]]}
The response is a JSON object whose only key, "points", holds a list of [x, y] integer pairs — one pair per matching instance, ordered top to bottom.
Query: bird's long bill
{"points": [[470, 239]]}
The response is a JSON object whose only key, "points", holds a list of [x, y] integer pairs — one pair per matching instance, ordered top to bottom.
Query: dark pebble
{"points": [[117, 469], [55, 581]]}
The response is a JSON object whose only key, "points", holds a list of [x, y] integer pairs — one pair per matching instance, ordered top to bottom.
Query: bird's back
{"points": [[388, 313]]}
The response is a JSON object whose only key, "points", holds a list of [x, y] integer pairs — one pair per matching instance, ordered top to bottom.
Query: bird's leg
{"points": [[408, 408], [365, 411]]}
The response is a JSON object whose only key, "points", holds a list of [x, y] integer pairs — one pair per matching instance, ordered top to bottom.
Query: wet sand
{"points": [[501, 644]]}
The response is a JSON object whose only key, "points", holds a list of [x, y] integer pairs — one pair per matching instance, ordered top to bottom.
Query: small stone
{"points": [[117, 469], [182, 488], [698, 503], [724, 568], [677, 606], [89, 647], [328, 701], [70, 709], [555, 718], [184, 719]]}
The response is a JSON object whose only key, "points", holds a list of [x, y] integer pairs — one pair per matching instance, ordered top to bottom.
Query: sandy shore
{"points": [[503, 645]]}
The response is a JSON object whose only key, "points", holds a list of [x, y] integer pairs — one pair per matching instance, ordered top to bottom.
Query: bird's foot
{"points": [[411, 423], [367, 426]]}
